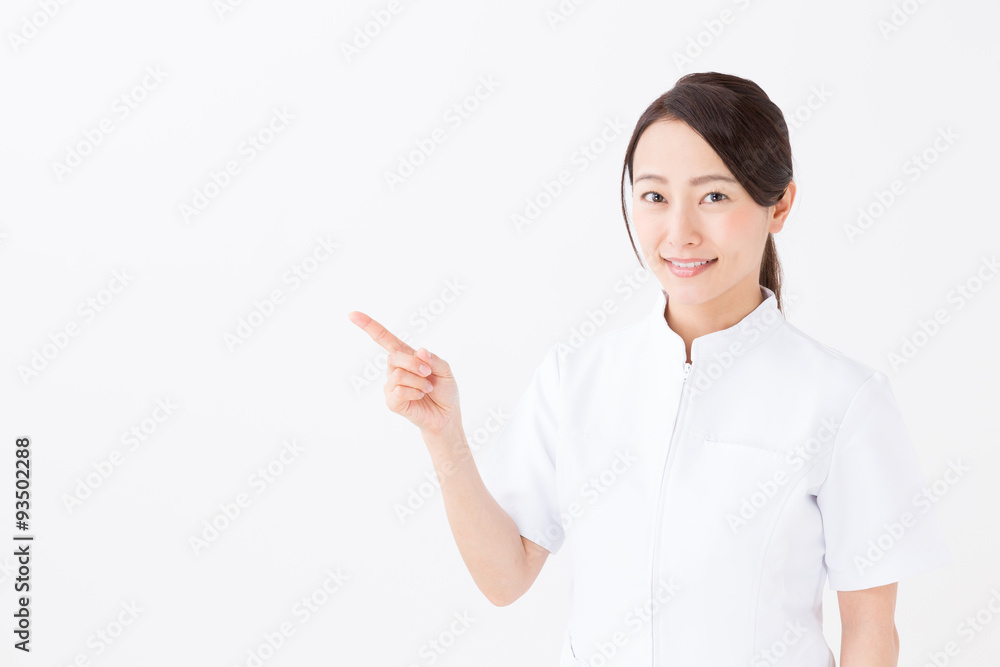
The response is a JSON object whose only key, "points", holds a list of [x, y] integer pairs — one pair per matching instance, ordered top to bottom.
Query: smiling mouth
{"points": [[691, 265]]}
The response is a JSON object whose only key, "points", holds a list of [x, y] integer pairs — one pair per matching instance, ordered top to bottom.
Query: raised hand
{"points": [[419, 385]]}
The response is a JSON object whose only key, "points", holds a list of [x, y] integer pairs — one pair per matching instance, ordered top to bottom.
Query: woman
{"points": [[711, 466]]}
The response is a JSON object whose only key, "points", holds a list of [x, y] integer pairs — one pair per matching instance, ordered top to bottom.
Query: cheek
{"points": [[741, 231], [644, 234]]}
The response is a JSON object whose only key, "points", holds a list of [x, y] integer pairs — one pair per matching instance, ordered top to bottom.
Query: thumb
{"points": [[438, 366]]}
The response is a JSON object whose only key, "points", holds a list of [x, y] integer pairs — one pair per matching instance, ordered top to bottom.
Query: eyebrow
{"points": [[697, 180]]}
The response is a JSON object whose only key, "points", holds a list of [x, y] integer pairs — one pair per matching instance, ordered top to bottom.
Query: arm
{"points": [[503, 563], [868, 636]]}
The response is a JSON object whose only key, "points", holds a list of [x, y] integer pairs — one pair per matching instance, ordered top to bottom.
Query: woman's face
{"points": [[688, 206]]}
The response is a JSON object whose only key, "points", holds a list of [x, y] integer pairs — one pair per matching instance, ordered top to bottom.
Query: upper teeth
{"points": [[688, 265]]}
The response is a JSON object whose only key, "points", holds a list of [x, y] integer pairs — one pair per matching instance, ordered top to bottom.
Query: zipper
{"points": [[659, 504]]}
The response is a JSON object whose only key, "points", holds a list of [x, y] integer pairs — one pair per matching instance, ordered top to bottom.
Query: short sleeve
{"points": [[519, 470], [878, 526]]}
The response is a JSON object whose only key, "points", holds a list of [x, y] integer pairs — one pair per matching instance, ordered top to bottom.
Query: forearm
{"points": [[486, 536], [869, 646]]}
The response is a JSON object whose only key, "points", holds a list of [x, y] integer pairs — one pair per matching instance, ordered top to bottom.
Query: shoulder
{"points": [[813, 360]]}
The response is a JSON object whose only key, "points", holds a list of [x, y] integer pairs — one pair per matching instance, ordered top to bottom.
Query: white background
{"points": [[301, 374]]}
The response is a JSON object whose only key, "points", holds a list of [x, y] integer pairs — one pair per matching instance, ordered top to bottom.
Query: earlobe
{"points": [[777, 221]]}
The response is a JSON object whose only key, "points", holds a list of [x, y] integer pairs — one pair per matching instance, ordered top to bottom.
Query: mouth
{"points": [[692, 264], [691, 268]]}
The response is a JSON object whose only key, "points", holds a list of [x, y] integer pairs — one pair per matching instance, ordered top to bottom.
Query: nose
{"points": [[680, 228]]}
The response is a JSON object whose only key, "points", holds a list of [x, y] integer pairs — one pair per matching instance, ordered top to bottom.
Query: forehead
{"points": [[672, 148]]}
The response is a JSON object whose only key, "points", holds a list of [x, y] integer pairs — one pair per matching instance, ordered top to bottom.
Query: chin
{"points": [[686, 294], [678, 299]]}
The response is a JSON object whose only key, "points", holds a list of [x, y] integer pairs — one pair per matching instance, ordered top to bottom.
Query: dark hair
{"points": [[744, 127]]}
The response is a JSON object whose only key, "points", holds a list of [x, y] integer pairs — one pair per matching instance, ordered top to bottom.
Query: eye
{"points": [[716, 193], [654, 194]]}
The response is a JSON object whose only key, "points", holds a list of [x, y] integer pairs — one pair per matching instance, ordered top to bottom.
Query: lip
{"points": [[682, 272]]}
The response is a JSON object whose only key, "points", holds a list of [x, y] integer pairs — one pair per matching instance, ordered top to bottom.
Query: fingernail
{"points": [[425, 369], [430, 387]]}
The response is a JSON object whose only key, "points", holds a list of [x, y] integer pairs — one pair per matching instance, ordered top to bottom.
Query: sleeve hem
{"points": [[545, 544], [849, 583]]}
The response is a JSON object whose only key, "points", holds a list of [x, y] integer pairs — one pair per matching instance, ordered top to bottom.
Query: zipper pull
{"points": [[687, 371]]}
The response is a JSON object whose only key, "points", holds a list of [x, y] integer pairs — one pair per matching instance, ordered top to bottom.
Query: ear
{"points": [[779, 212]]}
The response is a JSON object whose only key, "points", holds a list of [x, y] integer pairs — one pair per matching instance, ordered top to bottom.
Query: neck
{"points": [[689, 321]]}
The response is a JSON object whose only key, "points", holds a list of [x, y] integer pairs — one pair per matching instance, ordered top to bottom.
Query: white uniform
{"points": [[706, 503]]}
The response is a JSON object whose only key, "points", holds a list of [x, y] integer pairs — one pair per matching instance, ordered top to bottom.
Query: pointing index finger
{"points": [[378, 333]]}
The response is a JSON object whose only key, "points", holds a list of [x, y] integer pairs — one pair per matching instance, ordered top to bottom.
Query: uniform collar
{"points": [[753, 329]]}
